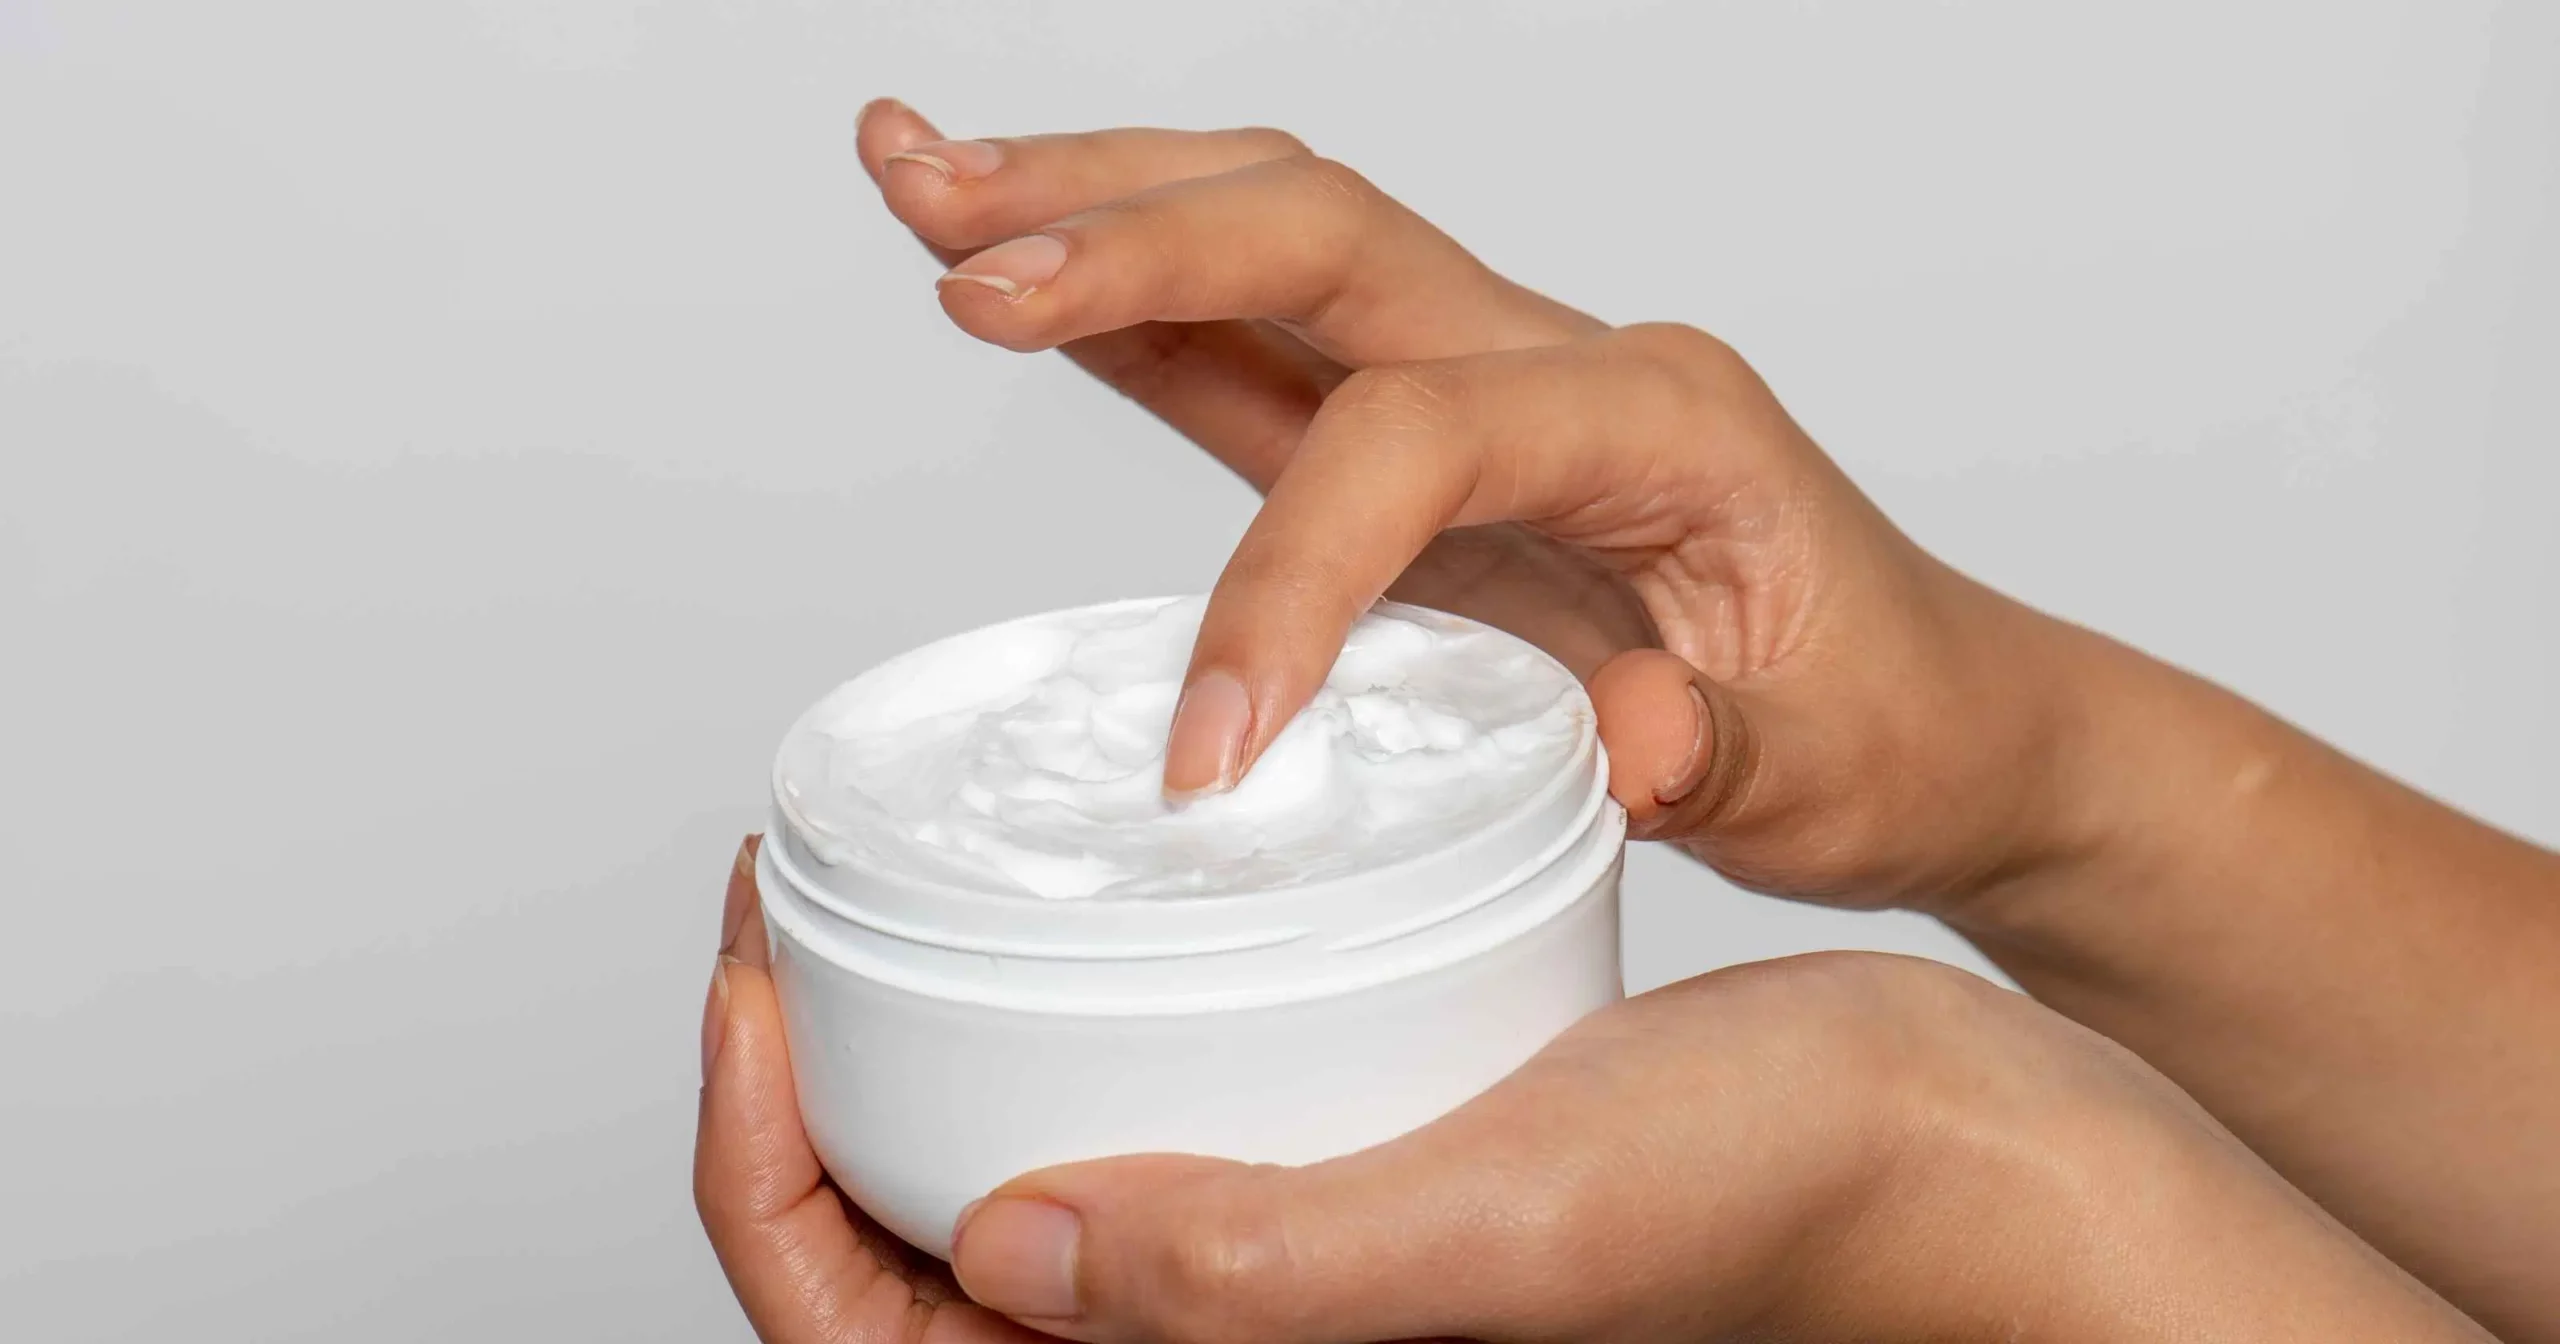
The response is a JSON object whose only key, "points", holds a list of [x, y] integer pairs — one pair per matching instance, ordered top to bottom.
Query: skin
{"points": [[2351, 978], [1842, 1146]]}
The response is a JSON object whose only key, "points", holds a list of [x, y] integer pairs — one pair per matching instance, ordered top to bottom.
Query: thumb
{"points": [[1684, 752], [1400, 1242]]}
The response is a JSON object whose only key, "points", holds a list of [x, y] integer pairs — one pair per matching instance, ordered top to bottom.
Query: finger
{"points": [[886, 127], [968, 194], [1299, 240], [1225, 386], [1572, 438], [1683, 754], [740, 911], [1543, 1209], [1196, 1249], [804, 1264]]}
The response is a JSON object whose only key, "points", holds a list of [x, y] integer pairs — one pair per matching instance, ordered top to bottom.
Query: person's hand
{"points": [[1786, 685], [2350, 975], [1843, 1146], [806, 1264]]}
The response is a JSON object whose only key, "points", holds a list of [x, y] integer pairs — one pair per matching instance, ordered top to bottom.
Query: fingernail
{"points": [[956, 160], [1013, 269], [1203, 751], [1693, 770], [742, 890], [715, 1013], [1019, 1257]]}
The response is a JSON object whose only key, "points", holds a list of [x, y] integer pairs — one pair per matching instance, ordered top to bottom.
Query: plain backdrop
{"points": [[443, 444]]}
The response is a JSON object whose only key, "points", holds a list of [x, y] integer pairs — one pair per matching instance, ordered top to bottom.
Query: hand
{"points": [[1786, 684], [2353, 977], [1839, 1146], [807, 1265]]}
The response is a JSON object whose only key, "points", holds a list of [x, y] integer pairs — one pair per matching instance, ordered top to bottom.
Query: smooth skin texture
{"points": [[2353, 979], [1843, 1146]]}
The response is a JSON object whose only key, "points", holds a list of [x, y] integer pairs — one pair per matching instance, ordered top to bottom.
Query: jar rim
{"points": [[1585, 746], [1428, 906]]}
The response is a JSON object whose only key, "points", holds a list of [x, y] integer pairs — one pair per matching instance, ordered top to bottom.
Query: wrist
{"points": [[2091, 768], [2138, 773], [2018, 784], [2087, 1197]]}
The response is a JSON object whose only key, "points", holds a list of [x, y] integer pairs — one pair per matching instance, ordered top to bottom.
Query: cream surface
{"points": [[1029, 757]]}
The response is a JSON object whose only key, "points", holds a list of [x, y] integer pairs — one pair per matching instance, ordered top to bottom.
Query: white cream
{"points": [[1029, 757]]}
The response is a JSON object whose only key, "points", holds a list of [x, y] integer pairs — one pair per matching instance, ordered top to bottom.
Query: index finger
{"points": [[960, 195], [1563, 436]]}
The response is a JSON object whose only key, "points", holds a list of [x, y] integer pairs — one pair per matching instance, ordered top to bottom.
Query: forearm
{"points": [[2360, 982]]}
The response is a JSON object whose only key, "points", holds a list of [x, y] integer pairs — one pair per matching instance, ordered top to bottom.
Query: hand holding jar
{"points": [[1839, 1146]]}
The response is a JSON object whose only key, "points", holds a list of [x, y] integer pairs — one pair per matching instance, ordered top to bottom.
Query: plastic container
{"points": [[945, 1040]]}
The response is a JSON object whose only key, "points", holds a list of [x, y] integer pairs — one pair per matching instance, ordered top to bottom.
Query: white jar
{"points": [[945, 1039]]}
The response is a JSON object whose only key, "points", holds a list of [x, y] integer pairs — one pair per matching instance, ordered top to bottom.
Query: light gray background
{"points": [[441, 445]]}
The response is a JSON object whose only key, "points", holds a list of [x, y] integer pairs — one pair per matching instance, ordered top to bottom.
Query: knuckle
{"points": [[1277, 143], [1338, 181], [1341, 210], [1687, 352], [1422, 396], [1405, 423], [1855, 979], [1875, 1008], [1551, 1217], [1230, 1278]]}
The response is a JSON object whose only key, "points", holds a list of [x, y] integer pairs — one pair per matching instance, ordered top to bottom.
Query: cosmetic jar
{"points": [[1151, 978]]}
